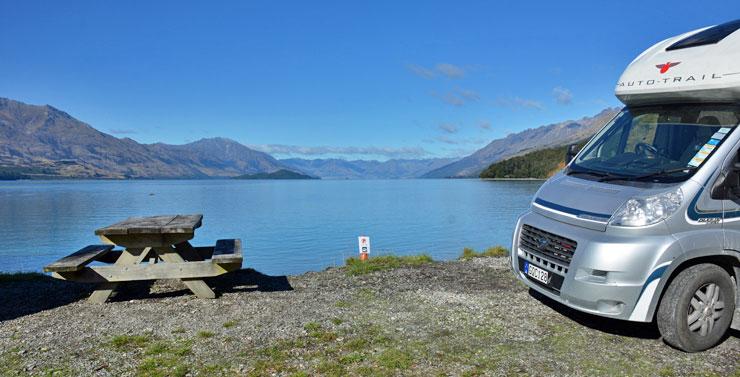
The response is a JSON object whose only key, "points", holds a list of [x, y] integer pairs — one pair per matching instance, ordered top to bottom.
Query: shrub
{"points": [[495, 251], [355, 266]]}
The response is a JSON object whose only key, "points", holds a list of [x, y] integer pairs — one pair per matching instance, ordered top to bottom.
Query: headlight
{"points": [[647, 210]]}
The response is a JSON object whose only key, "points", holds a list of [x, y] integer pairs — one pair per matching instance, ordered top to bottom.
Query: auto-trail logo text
{"points": [[671, 80]]}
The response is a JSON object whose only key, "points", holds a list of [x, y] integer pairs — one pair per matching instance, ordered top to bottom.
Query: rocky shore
{"points": [[451, 318]]}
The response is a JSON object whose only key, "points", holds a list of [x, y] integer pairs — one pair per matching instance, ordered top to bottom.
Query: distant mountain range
{"points": [[552, 135], [45, 137], [44, 142], [363, 169]]}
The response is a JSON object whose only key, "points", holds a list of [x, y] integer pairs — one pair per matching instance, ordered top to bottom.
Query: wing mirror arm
{"points": [[571, 153]]}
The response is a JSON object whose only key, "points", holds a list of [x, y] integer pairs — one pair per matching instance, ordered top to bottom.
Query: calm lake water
{"points": [[288, 227]]}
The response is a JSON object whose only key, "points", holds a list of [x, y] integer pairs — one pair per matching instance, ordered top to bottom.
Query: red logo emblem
{"points": [[665, 67]]}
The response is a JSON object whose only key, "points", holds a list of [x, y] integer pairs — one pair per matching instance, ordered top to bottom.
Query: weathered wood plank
{"points": [[165, 224], [183, 224], [147, 240], [228, 251], [79, 259], [139, 272], [197, 286], [104, 291]]}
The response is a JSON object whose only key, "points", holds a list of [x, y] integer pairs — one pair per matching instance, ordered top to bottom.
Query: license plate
{"points": [[537, 273]]}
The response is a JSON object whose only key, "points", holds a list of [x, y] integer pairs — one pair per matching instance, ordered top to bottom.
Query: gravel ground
{"points": [[451, 318]]}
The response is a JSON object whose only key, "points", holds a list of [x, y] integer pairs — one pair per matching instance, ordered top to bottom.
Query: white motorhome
{"points": [[643, 223]]}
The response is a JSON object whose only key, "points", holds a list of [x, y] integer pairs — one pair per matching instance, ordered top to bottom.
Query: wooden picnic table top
{"points": [[167, 224]]}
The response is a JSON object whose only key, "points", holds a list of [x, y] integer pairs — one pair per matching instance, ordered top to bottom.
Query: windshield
{"points": [[664, 143]]}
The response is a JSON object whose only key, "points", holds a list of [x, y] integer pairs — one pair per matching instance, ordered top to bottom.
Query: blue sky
{"points": [[379, 79]]}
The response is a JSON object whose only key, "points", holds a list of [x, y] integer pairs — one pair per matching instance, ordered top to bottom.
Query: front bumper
{"points": [[608, 274]]}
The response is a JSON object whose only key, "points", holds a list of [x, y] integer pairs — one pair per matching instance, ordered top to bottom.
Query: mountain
{"points": [[548, 136], [42, 141], [218, 157], [363, 169], [280, 174]]}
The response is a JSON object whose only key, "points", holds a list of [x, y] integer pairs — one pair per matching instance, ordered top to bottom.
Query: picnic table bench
{"points": [[154, 248]]}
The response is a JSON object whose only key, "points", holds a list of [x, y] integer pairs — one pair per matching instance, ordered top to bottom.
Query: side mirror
{"points": [[571, 153], [727, 186]]}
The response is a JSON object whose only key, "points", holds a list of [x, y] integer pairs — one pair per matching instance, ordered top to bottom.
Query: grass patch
{"points": [[495, 251], [354, 266], [22, 276], [230, 324], [317, 332], [205, 334], [125, 341], [183, 348], [158, 357], [395, 359], [160, 366], [330, 368]]}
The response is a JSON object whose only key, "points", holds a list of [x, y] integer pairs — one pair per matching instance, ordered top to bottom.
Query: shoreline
{"points": [[455, 318]]}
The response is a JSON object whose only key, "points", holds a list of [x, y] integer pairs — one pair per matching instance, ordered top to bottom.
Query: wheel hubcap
{"points": [[705, 309]]}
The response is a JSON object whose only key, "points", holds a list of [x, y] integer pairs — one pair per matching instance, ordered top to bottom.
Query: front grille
{"points": [[540, 242]]}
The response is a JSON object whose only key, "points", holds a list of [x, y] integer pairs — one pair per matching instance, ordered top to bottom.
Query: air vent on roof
{"points": [[707, 37]]}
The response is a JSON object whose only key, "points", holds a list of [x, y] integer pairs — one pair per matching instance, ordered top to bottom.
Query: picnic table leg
{"points": [[128, 257], [197, 286], [102, 293]]}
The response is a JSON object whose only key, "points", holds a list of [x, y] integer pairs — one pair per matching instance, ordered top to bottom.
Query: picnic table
{"points": [[153, 248]]}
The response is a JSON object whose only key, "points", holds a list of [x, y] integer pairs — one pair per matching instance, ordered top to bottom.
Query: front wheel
{"points": [[697, 308]]}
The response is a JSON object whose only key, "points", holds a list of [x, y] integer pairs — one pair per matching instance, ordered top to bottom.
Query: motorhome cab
{"points": [[644, 222]]}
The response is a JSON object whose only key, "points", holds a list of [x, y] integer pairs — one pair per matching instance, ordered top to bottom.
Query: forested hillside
{"points": [[537, 164]]}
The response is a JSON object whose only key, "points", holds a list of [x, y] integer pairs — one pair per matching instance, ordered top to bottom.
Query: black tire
{"points": [[676, 305]]}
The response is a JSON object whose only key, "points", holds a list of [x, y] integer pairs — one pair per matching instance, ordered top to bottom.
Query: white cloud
{"points": [[450, 70], [421, 71], [469, 95], [562, 95], [458, 97], [450, 99], [518, 103], [448, 128], [463, 141], [299, 150]]}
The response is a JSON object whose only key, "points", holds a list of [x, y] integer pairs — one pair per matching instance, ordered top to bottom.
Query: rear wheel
{"points": [[697, 308]]}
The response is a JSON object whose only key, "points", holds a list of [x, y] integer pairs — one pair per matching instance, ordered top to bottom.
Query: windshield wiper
{"points": [[660, 173], [600, 174]]}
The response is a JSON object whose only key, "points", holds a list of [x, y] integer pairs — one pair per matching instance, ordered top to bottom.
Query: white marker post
{"points": [[364, 243]]}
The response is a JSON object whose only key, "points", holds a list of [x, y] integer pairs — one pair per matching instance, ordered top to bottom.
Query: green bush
{"points": [[495, 251], [355, 266]]}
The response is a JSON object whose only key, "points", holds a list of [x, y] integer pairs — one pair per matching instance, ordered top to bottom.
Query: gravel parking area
{"points": [[450, 318]]}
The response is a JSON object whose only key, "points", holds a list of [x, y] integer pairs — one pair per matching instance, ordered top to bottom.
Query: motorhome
{"points": [[643, 223]]}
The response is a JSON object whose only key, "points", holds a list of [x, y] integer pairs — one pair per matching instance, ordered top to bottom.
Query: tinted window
{"points": [[706, 37]]}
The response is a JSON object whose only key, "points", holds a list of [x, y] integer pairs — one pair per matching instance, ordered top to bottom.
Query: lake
{"points": [[287, 227]]}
